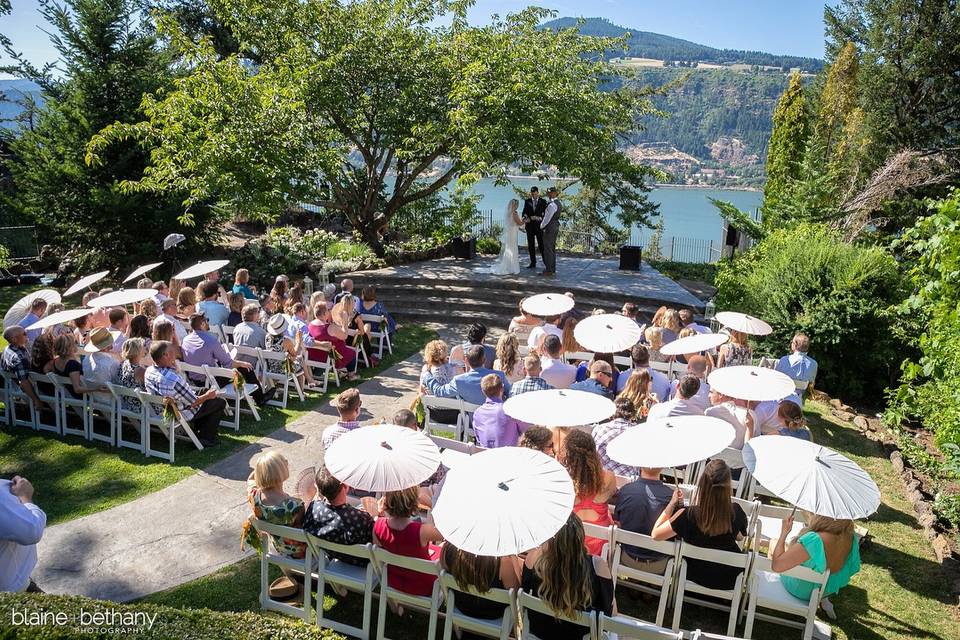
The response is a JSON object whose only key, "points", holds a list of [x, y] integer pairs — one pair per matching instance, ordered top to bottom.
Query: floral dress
{"points": [[276, 344], [735, 354], [126, 377], [288, 513]]}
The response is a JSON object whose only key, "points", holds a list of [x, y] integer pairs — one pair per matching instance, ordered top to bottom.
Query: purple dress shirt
{"points": [[202, 347], [494, 428]]}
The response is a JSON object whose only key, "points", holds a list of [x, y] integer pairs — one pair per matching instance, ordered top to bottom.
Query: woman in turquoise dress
{"points": [[825, 543]]}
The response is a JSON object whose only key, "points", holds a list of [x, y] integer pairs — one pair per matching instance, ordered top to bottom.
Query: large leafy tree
{"points": [[107, 60], [368, 106], [788, 142]]}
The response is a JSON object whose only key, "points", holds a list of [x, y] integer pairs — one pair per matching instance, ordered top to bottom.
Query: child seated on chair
{"points": [[269, 502], [398, 532]]}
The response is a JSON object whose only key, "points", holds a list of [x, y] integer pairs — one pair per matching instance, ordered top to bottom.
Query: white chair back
{"points": [[377, 330], [47, 392], [239, 395], [431, 403], [71, 407], [132, 417], [271, 556], [360, 577], [657, 584], [766, 591], [733, 595], [527, 603], [431, 604], [493, 628], [634, 629]]}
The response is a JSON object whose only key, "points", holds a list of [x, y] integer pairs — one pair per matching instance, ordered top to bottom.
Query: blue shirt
{"points": [[245, 290], [215, 312], [28, 320], [798, 366], [659, 383], [465, 386], [592, 386], [21, 526]]}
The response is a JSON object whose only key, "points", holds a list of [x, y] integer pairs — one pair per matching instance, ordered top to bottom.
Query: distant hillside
{"points": [[644, 44]]}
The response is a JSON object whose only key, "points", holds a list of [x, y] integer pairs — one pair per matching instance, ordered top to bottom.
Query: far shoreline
{"points": [[656, 185]]}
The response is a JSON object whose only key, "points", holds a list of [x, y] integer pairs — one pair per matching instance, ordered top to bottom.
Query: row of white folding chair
{"points": [[378, 331], [323, 370], [269, 378], [236, 394], [463, 429]]}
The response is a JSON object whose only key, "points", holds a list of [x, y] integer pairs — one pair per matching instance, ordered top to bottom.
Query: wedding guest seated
{"points": [[214, 277], [241, 284], [346, 289], [279, 291], [163, 292], [329, 293], [186, 303], [235, 304], [368, 304], [268, 307], [38, 309], [148, 309], [630, 310], [215, 311], [168, 312], [345, 316], [686, 320], [119, 321], [297, 323], [521, 325], [670, 326], [139, 327], [548, 328], [81, 329], [164, 330], [322, 330], [250, 333], [476, 334], [653, 336], [568, 340], [277, 341], [201, 347], [736, 352], [508, 357], [41, 359], [15, 360], [640, 361], [436, 363], [66, 364], [798, 365], [100, 367], [696, 367], [555, 370], [131, 372], [531, 380], [600, 381], [466, 385], [638, 391], [347, 403], [683, 405], [203, 413], [624, 418], [408, 419], [742, 419], [792, 422], [492, 427], [539, 438], [592, 484], [269, 502], [639, 505], [331, 518], [712, 521], [21, 526], [398, 532], [825, 543], [481, 573], [562, 574]]}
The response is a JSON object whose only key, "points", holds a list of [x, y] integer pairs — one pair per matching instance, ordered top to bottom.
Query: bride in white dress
{"points": [[508, 262]]}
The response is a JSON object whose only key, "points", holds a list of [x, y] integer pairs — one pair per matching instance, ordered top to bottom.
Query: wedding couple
{"points": [[541, 222]]}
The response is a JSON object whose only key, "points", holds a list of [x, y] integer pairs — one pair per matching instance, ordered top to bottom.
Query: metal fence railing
{"points": [[21, 242]]}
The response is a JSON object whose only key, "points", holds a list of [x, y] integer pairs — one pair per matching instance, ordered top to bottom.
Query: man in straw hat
{"points": [[100, 367]]}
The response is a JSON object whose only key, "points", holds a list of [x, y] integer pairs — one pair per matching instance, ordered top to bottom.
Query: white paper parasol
{"points": [[173, 240], [201, 269], [142, 270], [84, 283], [121, 298], [547, 304], [21, 307], [60, 317], [744, 323], [607, 333], [694, 344], [751, 383], [559, 408], [671, 442], [382, 457], [812, 477], [504, 501]]}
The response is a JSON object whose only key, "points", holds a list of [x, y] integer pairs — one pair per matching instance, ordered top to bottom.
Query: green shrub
{"points": [[488, 246], [702, 272], [807, 279], [195, 624]]}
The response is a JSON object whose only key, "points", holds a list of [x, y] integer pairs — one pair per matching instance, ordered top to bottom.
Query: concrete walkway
{"points": [[192, 528]]}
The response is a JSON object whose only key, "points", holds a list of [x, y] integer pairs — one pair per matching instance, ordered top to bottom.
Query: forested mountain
{"points": [[644, 44]]}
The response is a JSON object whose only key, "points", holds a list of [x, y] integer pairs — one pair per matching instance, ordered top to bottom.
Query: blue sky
{"points": [[793, 27]]}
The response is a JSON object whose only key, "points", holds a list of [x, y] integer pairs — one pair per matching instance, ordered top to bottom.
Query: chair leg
{"points": [[678, 601], [382, 609], [751, 614]]}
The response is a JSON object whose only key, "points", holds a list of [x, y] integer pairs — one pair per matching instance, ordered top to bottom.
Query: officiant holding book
{"points": [[533, 209]]}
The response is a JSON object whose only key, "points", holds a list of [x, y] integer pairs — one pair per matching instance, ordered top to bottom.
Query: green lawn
{"points": [[75, 477], [901, 591]]}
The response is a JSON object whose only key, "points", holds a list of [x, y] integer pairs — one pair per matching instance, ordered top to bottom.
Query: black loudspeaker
{"points": [[466, 249], [629, 258]]}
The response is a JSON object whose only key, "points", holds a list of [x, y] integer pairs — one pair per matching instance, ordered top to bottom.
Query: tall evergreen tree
{"points": [[108, 59], [788, 142]]}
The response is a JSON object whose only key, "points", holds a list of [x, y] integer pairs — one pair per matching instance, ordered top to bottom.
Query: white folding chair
{"points": [[377, 329], [217, 331], [227, 331], [523, 349], [361, 350], [250, 355], [575, 356], [622, 361], [326, 368], [665, 368], [195, 375], [223, 379], [283, 379], [47, 392], [15, 395], [66, 402], [431, 403], [104, 405], [131, 417], [153, 417], [465, 426], [459, 446], [734, 459], [750, 509], [768, 522], [602, 533], [270, 556], [353, 577], [656, 584], [766, 591], [734, 595], [527, 603], [431, 604], [624, 627], [491, 628], [704, 635]]}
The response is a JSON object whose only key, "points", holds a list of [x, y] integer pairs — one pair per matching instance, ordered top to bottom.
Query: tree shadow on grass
{"points": [[853, 607]]}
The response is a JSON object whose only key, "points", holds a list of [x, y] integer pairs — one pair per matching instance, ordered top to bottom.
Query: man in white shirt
{"points": [[168, 311], [119, 321], [549, 327], [798, 365], [100, 367], [696, 367], [555, 371], [659, 383], [682, 405], [742, 419], [21, 527]]}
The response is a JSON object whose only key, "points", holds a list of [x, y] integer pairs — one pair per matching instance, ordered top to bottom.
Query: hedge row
{"points": [[43, 616]]}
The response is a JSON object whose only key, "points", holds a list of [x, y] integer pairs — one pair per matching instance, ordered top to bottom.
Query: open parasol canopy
{"points": [[201, 269], [142, 270], [85, 282], [121, 298], [547, 304], [21, 307], [60, 317], [744, 323], [607, 333], [694, 344], [746, 382], [559, 408], [671, 442], [383, 457]]}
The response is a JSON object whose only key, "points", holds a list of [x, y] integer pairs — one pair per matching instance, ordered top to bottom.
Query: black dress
{"points": [[705, 573], [551, 628]]}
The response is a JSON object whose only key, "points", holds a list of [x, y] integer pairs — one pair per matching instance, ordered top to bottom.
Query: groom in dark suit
{"points": [[533, 208]]}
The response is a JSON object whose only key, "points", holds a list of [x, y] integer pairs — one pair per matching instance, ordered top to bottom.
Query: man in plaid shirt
{"points": [[15, 360], [532, 381], [202, 412], [623, 419]]}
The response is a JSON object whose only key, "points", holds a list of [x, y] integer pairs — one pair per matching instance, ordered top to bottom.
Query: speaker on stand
{"points": [[630, 258]]}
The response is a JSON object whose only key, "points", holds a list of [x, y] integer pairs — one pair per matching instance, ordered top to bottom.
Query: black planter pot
{"points": [[466, 249]]}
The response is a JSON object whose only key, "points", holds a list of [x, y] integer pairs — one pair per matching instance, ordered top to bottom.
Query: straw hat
{"points": [[277, 325], [100, 340]]}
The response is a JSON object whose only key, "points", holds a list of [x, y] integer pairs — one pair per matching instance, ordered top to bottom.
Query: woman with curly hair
{"points": [[508, 357], [436, 362], [638, 390], [592, 483], [561, 574]]}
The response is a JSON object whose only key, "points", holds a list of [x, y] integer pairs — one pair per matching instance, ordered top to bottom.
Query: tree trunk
{"points": [[371, 235]]}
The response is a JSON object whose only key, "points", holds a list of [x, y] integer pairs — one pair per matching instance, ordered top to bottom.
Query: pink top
{"points": [[321, 333], [406, 542], [594, 545]]}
